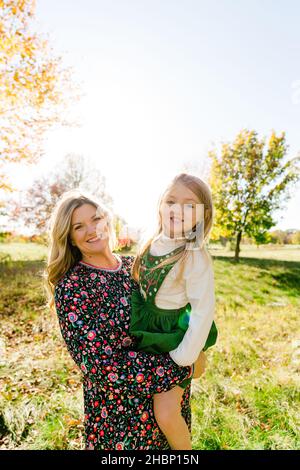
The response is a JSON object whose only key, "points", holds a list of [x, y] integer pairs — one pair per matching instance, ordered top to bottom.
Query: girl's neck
{"points": [[176, 239]]}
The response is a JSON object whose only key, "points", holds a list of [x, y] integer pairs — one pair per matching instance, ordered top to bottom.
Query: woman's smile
{"points": [[93, 240]]}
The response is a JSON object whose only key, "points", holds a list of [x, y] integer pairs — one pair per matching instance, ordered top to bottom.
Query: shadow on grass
{"points": [[10, 267], [286, 274]]}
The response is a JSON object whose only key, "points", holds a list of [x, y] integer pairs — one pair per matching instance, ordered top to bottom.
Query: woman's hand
{"points": [[199, 365]]}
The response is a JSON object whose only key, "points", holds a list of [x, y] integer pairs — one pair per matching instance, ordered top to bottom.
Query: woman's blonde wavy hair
{"points": [[203, 193], [62, 254]]}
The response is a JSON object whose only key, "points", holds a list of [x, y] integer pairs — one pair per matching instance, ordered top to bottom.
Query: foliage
{"points": [[35, 88], [75, 172], [249, 184], [247, 399]]}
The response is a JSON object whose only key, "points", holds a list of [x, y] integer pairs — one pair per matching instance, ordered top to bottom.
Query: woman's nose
{"points": [[91, 229]]}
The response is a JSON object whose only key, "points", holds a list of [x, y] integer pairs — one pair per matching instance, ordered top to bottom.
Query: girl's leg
{"points": [[167, 411]]}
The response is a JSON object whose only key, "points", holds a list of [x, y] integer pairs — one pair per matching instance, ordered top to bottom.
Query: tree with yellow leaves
{"points": [[34, 87]]}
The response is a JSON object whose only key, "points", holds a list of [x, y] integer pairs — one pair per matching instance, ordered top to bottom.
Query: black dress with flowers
{"points": [[93, 308]]}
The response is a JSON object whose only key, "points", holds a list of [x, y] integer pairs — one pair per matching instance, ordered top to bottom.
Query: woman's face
{"points": [[180, 211], [89, 229]]}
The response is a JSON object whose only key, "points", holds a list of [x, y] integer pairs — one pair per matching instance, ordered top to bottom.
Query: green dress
{"points": [[159, 330]]}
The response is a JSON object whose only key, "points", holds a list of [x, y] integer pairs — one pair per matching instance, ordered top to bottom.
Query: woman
{"points": [[91, 287]]}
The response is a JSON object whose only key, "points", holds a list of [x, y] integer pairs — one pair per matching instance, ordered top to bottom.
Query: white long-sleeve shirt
{"points": [[195, 287]]}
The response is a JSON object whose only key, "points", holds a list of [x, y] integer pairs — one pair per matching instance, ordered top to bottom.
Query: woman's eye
{"points": [[170, 202], [190, 206]]}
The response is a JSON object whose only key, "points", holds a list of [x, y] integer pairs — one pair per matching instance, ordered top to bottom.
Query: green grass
{"points": [[23, 251], [279, 252], [248, 397]]}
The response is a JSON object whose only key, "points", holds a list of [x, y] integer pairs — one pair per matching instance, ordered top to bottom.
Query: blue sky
{"points": [[166, 80]]}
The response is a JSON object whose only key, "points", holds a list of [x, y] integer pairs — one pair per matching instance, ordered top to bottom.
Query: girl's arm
{"points": [[200, 293], [139, 372]]}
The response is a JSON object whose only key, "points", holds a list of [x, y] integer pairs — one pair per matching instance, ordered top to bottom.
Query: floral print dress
{"points": [[93, 308]]}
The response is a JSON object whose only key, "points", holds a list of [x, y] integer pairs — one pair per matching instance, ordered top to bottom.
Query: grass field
{"points": [[248, 398]]}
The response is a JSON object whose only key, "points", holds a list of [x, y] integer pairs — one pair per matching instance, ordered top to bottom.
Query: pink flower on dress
{"points": [[93, 275], [103, 279], [124, 301], [72, 317], [91, 335], [126, 342], [108, 350], [132, 354], [83, 368], [160, 371], [113, 377], [140, 377], [89, 385], [104, 413], [144, 416], [120, 446]]}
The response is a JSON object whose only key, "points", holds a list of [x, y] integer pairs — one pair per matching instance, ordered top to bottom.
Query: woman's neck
{"points": [[105, 259]]}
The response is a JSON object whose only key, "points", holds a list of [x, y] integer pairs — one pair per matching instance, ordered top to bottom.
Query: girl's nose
{"points": [[177, 211]]}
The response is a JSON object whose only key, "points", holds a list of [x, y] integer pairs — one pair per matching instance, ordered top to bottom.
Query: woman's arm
{"points": [[139, 372]]}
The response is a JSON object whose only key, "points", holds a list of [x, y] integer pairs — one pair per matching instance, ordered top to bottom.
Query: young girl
{"points": [[174, 309]]}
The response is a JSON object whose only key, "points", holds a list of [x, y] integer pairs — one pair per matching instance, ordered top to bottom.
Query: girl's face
{"points": [[180, 211], [89, 229]]}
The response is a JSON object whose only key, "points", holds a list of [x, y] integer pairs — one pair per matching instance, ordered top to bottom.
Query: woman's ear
{"points": [[71, 241]]}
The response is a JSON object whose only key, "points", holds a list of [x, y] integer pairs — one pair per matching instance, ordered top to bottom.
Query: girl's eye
{"points": [[170, 202], [78, 227]]}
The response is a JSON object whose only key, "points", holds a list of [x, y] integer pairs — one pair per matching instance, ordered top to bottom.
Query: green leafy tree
{"points": [[249, 182]]}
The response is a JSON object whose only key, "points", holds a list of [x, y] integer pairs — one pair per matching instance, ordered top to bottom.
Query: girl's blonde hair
{"points": [[203, 193], [62, 254]]}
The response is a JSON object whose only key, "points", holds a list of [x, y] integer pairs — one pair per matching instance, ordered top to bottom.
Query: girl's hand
{"points": [[199, 365]]}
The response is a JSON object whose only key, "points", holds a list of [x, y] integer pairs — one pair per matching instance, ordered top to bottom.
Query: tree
{"points": [[35, 88], [249, 184], [36, 205], [277, 236], [295, 240]]}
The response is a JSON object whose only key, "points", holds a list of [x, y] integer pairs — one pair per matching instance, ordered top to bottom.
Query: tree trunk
{"points": [[237, 246]]}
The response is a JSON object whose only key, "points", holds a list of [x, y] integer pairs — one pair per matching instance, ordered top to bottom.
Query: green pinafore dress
{"points": [[159, 330]]}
